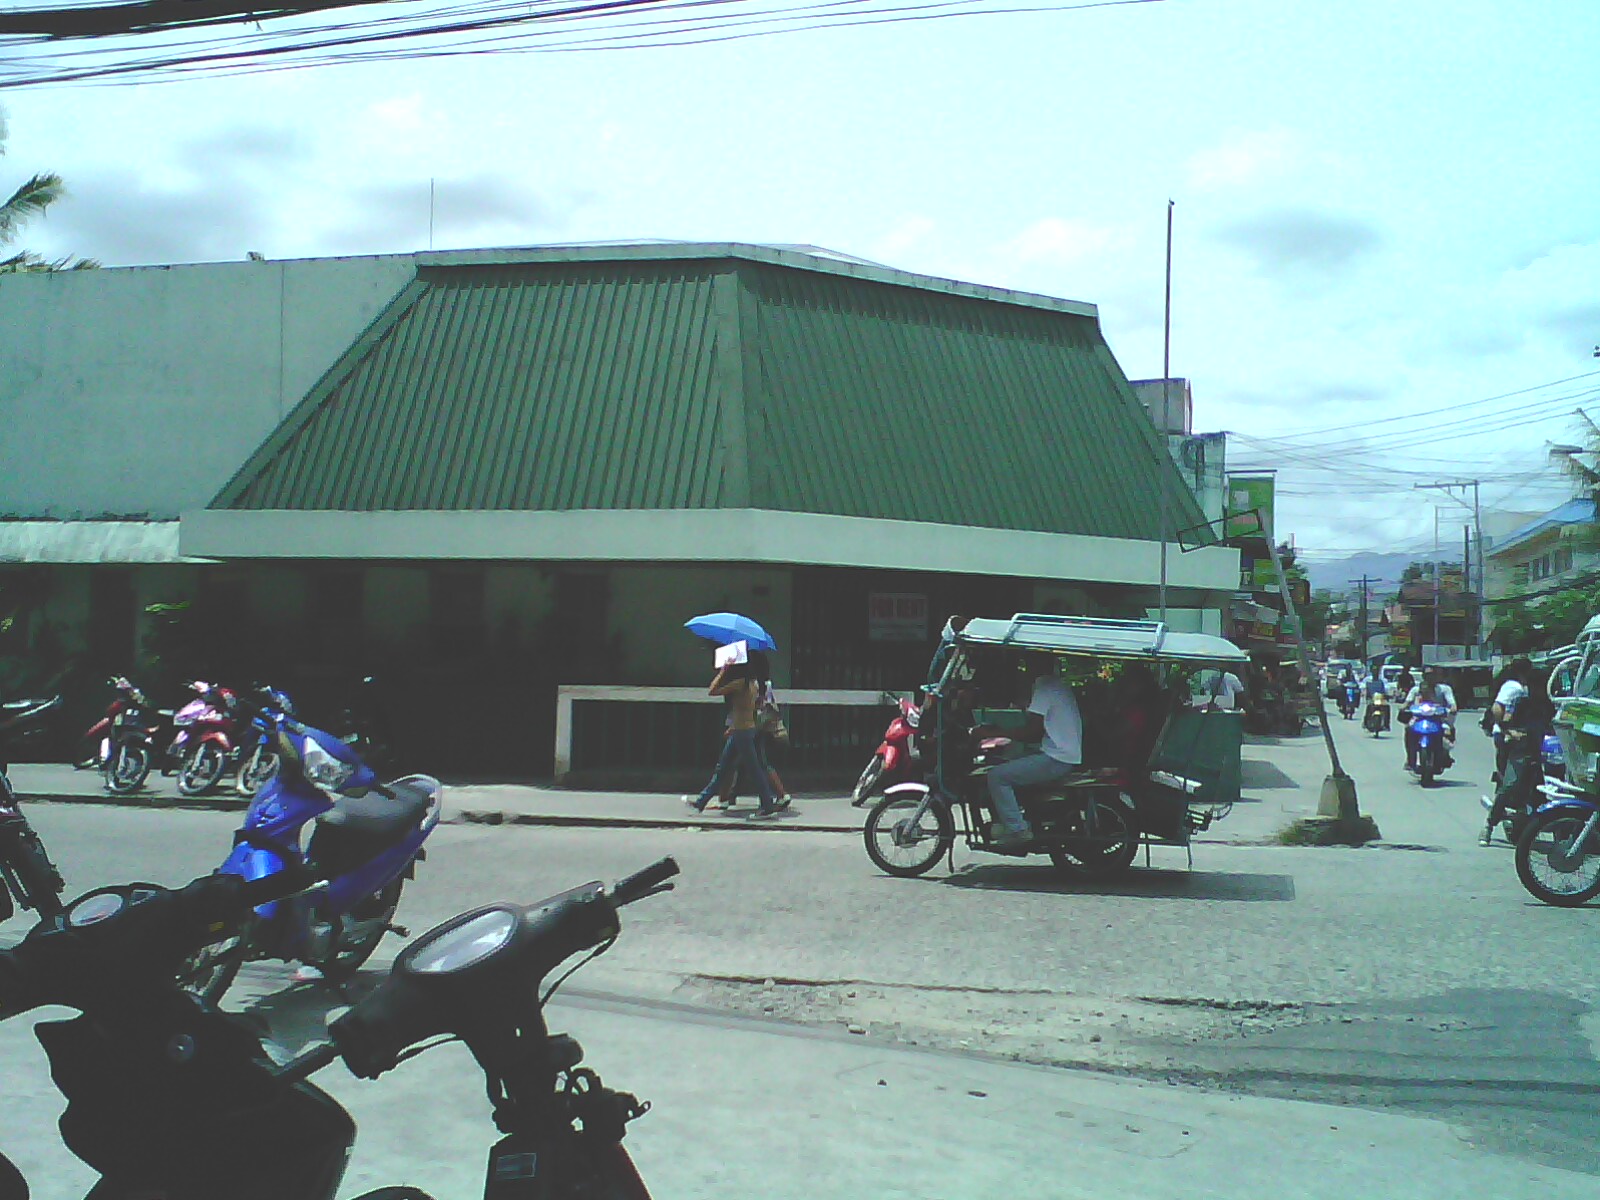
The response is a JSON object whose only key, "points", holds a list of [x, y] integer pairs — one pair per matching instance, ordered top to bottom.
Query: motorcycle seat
{"points": [[358, 827]]}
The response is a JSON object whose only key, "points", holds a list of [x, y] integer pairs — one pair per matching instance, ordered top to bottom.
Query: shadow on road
{"points": [[1156, 883]]}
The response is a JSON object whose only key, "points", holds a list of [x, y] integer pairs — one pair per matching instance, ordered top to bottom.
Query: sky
{"points": [[1381, 209]]}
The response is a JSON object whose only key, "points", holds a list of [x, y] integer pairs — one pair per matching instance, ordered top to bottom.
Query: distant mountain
{"points": [[1335, 574]]}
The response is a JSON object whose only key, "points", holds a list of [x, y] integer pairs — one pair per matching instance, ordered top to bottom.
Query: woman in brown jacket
{"points": [[741, 692]]}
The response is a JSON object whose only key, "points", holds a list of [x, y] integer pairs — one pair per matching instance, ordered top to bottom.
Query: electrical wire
{"points": [[363, 40]]}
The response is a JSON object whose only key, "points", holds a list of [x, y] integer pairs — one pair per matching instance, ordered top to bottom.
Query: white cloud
{"points": [[1063, 241]]}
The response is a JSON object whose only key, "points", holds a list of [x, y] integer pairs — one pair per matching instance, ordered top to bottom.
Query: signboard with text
{"points": [[897, 617]]}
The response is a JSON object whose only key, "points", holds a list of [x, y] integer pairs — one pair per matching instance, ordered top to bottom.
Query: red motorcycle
{"points": [[96, 744], [897, 759]]}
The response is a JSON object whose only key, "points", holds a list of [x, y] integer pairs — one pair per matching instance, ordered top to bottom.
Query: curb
{"points": [[140, 800], [498, 817]]}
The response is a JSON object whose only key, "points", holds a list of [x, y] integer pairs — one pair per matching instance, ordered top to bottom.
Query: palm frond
{"points": [[29, 200], [26, 261]]}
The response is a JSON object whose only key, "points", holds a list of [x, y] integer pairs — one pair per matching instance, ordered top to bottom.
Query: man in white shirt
{"points": [[1225, 695], [1054, 722]]}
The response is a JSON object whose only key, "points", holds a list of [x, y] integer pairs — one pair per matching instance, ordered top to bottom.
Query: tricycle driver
{"points": [[1054, 722]]}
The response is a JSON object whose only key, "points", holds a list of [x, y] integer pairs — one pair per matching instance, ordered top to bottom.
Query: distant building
{"points": [[1551, 549]]}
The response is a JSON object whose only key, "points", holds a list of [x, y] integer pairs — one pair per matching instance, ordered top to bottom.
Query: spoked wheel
{"points": [[127, 768], [201, 769], [257, 772], [868, 783], [1101, 842], [904, 846], [1551, 863], [364, 928], [209, 972]]}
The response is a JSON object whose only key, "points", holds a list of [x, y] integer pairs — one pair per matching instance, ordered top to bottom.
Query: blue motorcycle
{"points": [[1427, 730], [258, 745], [366, 840], [1558, 855]]}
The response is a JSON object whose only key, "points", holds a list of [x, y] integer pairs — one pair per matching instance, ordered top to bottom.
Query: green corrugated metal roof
{"points": [[721, 382]]}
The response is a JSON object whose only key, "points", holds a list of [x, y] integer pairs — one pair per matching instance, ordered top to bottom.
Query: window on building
{"points": [[456, 611]]}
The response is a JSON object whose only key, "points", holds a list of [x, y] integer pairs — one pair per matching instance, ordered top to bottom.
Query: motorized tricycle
{"points": [[1093, 821]]}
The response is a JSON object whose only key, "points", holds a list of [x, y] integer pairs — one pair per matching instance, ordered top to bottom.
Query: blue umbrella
{"points": [[724, 628]]}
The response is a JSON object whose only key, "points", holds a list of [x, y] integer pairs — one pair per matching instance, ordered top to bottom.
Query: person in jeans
{"points": [[761, 670], [741, 691], [1054, 722]]}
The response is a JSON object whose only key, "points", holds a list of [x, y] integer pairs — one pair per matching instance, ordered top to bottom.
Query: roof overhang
{"points": [[704, 535], [90, 542]]}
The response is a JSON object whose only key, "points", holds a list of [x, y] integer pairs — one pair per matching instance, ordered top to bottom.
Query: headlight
{"points": [[322, 768], [465, 945]]}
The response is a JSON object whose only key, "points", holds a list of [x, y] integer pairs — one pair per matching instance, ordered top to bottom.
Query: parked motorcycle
{"points": [[265, 708], [1376, 720], [1427, 725], [133, 739], [207, 740], [94, 744], [896, 760], [366, 842], [1558, 854], [27, 876], [167, 1096]]}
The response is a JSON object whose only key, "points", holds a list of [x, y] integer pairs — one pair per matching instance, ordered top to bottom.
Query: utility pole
{"points": [[1166, 413], [1449, 488], [1466, 566], [1365, 635]]}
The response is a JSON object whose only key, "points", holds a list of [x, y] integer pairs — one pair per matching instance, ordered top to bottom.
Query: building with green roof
{"points": [[528, 467]]}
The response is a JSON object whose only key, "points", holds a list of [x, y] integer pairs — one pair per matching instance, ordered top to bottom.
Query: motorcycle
{"points": [[1349, 698], [1376, 719], [1426, 720], [207, 738], [132, 742], [94, 744], [258, 748], [1553, 757], [897, 759], [367, 840], [1558, 854], [27, 876], [217, 1112]]}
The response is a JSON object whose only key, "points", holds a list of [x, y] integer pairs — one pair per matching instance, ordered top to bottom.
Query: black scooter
{"points": [[27, 876], [167, 1096]]}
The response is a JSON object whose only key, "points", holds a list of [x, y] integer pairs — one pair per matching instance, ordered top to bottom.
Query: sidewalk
{"points": [[1282, 782]]}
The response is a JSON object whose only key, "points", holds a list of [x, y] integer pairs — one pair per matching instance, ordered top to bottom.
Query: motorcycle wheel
{"points": [[127, 769], [201, 769], [258, 770], [1425, 770], [868, 783], [896, 846], [1102, 850], [1551, 867], [373, 916], [209, 971]]}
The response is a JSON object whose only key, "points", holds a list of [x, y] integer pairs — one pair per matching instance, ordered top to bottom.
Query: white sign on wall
{"points": [[897, 617], [1443, 654]]}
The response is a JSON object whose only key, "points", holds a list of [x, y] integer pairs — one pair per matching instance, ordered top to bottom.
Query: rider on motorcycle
{"points": [[1432, 690], [1522, 711]]}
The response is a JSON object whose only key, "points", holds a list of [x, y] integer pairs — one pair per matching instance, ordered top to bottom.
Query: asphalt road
{"points": [[1412, 975]]}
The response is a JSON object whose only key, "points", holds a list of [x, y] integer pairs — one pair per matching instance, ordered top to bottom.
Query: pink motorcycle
{"points": [[207, 741]]}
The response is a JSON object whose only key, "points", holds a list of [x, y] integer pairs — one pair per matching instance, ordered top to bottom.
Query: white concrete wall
{"points": [[143, 389]]}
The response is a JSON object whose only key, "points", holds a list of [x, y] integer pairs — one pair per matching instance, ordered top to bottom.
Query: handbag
{"points": [[769, 719]]}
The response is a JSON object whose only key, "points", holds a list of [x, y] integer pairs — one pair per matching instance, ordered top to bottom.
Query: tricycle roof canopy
{"points": [[1100, 637]]}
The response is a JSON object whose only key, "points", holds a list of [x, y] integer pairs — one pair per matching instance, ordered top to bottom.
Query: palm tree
{"points": [[28, 201]]}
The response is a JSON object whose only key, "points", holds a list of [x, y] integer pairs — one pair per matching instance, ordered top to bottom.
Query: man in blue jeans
{"points": [[1053, 721]]}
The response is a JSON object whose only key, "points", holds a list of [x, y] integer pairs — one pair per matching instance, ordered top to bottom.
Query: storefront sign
{"points": [[897, 617]]}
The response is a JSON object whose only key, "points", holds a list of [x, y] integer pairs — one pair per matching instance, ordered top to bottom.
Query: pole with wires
{"points": [[1162, 466]]}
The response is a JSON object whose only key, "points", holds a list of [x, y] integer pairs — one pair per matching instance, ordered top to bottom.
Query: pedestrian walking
{"points": [[739, 689], [770, 731]]}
